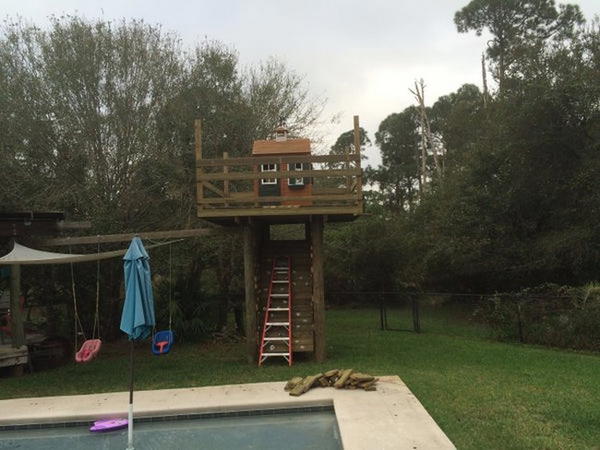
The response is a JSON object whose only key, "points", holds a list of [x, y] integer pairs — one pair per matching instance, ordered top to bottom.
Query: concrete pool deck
{"points": [[389, 418]]}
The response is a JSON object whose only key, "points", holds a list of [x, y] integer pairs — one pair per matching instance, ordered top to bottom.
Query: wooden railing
{"points": [[226, 187]]}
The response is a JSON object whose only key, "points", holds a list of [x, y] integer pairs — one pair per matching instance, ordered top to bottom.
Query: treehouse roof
{"points": [[285, 147]]}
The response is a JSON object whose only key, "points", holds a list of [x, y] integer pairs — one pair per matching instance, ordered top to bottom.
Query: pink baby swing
{"points": [[90, 347]]}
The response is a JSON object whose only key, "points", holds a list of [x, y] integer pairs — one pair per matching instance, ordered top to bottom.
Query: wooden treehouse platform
{"points": [[281, 183], [226, 190]]}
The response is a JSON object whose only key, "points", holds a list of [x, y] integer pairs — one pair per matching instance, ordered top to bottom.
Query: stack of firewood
{"points": [[339, 379]]}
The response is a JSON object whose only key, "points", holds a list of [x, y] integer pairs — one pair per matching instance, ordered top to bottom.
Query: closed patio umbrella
{"points": [[137, 319]]}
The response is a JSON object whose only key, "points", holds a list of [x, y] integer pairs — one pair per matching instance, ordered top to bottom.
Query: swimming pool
{"points": [[312, 428]]}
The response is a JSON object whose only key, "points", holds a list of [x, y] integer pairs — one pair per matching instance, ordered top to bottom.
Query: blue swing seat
{"points": [[162, 342]]}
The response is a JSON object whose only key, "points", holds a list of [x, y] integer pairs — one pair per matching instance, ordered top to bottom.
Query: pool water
{"points": [[289, 431]]}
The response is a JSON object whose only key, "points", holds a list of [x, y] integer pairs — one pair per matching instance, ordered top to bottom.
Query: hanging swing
{"points": [[162, 341], [90, 347]]}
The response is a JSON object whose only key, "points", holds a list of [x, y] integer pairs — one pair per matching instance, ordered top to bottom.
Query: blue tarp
{"points": [[137, 319]]}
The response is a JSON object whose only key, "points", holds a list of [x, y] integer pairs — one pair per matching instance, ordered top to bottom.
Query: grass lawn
{"points": [[483, 394]]}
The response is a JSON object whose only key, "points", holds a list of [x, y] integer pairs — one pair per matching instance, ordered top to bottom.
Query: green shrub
{"points": [[552, 315]]}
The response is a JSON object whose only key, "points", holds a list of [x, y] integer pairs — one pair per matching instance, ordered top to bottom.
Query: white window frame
{"points": [[270, 167], [296, 181]]}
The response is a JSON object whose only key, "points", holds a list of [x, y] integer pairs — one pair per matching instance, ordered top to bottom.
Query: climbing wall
{"points": [[302, 310]]}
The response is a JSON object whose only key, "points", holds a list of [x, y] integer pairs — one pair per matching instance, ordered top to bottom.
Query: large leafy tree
{"points": [[519, 29], [96, 120], [457, 120], [345, 142], [397, 178], [518, 209]]}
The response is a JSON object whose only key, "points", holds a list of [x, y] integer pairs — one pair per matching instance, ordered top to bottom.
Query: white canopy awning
{"points": [[29, 256]]}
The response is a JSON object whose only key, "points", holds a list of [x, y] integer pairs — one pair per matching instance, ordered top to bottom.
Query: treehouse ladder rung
{"points": [[281, 265]]}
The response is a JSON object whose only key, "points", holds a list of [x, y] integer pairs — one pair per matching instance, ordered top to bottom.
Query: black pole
{"points": [[385, 303], [381, 306], [131, 373], [130, 413]]}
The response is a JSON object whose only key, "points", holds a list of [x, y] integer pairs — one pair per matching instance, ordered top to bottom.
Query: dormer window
{"points": [[268, 168], [296, 181]]}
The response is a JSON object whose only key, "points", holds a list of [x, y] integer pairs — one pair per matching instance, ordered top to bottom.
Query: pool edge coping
{"points": [[384, 418]]}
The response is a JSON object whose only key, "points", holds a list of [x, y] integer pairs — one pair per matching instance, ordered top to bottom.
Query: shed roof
{"points": [[273, 147]]}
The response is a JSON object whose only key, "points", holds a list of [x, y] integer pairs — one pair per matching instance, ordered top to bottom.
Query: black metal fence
{"points": [[551, 320]]}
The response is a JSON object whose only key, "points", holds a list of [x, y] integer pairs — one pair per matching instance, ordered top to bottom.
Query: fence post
{"points": [[385, 305], [381, 313], [415, 313], [520, 323]]}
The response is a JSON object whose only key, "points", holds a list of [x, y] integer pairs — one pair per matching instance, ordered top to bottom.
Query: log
{"points": [[332, 373], [357, 376], [343, 378], [340, 379], [292, 383], [367, 384], [305, 385]]}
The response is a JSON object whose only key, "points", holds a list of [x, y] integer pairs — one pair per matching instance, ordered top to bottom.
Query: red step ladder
{"points": [[276, 340]]}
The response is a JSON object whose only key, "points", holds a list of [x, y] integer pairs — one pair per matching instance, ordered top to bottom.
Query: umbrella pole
{"points": [[130, 416]]}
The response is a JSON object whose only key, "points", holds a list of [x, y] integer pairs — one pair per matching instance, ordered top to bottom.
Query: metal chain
{"points": [[97, 312], [76, 313]]}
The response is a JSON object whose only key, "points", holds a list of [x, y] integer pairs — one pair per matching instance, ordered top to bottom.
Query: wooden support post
{"points": [[357, 150], [347, 167], [199, 170], [226, 182], [256, 184], [265, 234], [250, 263], [318, 297], [16, 319], [520, 323]]}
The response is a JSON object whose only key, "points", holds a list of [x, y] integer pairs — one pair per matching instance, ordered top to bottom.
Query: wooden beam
{"points": [[357, 150], [198, 152], [251, 160], [347, 166], [225, 171], [335, 173], [213, 188], [328, 191], [254, 199], [280, 211], [66, 225], [106, 238], [318, 296], [251, 305], [16, 319]]}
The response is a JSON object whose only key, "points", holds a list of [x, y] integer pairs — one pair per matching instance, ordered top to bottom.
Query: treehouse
{"points": [[281, 182]]}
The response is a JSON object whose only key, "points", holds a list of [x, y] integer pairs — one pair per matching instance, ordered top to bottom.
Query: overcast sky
{"points": [[360, 55]]}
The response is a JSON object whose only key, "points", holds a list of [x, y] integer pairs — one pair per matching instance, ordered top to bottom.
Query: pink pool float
{"points": [[108, 425]]}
